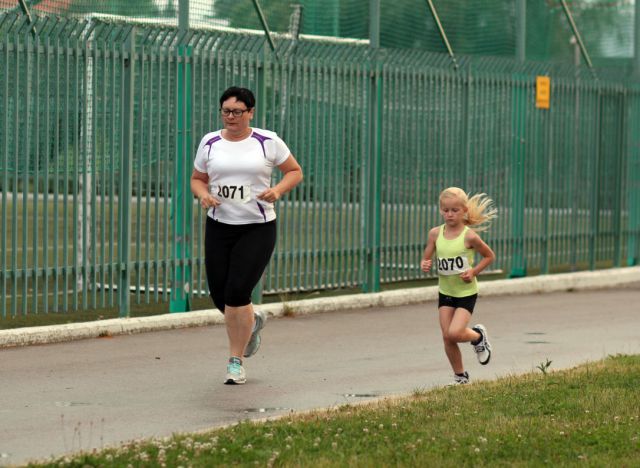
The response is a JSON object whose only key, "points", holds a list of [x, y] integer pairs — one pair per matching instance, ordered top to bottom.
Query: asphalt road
{"points": [[60, 398]]}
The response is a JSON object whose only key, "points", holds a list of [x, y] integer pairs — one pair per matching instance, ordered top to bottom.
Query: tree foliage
{"points": [[146, 8], [242, 13], [484, 27]]}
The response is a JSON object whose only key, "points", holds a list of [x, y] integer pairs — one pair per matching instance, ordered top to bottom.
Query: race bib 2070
{"points": [[452, 265]]}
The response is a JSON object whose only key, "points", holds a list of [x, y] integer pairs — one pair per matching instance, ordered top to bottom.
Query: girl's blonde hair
{"points": [[480, 210]]}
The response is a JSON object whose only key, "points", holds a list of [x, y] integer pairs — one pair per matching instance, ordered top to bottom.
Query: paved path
{"points": [[64, 397]]}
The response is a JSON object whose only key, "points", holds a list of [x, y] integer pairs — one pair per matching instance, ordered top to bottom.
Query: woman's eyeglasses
{"points": [[234, 112]]}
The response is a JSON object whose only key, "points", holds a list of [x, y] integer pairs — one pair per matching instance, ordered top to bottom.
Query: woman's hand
{"points": [[270, 195], [208, 201], [425, 265]]}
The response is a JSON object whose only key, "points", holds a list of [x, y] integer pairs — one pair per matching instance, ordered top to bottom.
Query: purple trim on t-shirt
{"points": [[261, 139], [211, 142], [262, 211]]}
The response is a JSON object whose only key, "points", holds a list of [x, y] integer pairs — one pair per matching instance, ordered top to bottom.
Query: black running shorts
{"points": [[235, 258], [467, 302]]}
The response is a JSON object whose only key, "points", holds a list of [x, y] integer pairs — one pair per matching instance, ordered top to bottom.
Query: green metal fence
{"points": [[99, 122]]}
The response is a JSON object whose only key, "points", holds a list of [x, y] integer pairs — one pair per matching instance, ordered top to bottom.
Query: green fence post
{"points": [[633, 125], [577, 132], [621, 160], [126, 166], [4, 174], [373, 174], [633, 174], [517, 176], [372, 182], [181, 201], [182, 206], [594, 209]]}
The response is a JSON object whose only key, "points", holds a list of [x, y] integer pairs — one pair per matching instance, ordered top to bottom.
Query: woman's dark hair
{"points": [[241, 94]]}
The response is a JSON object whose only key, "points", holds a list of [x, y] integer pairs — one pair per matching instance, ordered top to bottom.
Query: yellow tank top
{"points": [[453, 258]]}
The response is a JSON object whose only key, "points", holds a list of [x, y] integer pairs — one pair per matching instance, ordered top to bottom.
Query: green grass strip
{"points": [[585, 416]]}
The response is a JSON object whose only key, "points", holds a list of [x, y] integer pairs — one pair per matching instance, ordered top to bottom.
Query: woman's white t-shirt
{"points": [[238, 172]]}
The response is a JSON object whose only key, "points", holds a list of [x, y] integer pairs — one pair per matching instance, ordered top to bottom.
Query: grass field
{"points": [[585, 416]]}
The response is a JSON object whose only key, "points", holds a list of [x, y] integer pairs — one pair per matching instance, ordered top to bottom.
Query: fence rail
{"points": [[99, 122]]}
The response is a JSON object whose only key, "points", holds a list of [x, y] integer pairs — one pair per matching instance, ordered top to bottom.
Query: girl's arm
{"points": [[476, 243], [425, 264]]}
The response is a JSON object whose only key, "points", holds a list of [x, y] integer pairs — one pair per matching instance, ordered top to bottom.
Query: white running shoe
{"points": [[255, 340], [483, 348], [235, 372], [459, 380]]}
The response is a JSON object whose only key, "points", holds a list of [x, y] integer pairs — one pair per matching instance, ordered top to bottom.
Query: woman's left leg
{"points": [[248, 260], [239, 322]]}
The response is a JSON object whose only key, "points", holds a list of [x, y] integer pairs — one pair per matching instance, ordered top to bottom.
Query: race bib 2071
{"points": [[234, 193]]}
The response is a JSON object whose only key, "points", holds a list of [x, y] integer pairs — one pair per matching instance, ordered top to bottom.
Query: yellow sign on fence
{"points": [[543, 92]]}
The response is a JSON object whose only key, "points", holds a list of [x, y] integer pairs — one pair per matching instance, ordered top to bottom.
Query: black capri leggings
{"points": [[235, 257]]}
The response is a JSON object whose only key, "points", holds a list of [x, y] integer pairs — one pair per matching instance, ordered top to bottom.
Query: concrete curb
{"points": [[530, 285]]}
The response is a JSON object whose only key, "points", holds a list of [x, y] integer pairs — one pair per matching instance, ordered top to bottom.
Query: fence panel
{"points": [[91, 148]]}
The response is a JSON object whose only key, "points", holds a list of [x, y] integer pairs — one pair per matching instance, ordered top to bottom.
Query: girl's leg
{"points": [[453, 323], [458, 330], [451, 347]]}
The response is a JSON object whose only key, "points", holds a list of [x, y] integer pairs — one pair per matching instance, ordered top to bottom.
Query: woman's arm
{"points": [[292, 177], [200, 188]]}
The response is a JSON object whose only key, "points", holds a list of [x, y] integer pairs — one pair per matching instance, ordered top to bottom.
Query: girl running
{"points": [[455, 244]]}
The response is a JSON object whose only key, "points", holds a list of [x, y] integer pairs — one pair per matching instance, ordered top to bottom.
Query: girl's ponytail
{"points": [[480, 209]]}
